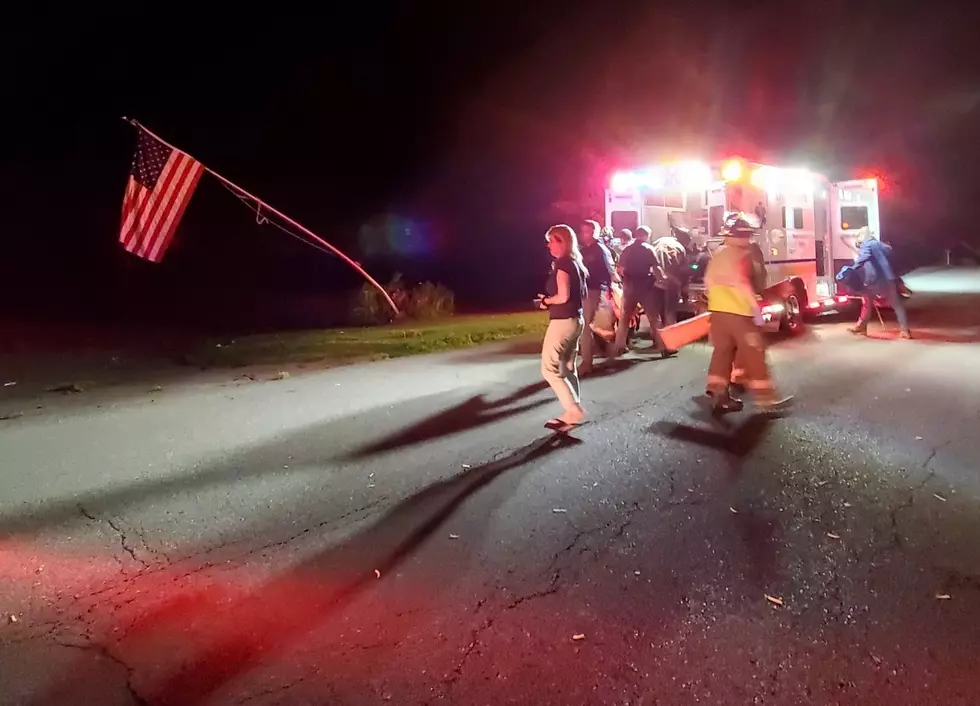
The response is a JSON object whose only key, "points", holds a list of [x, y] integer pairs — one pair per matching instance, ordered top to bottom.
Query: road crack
{"points": [[141, 533], [122, 534], [897, 540], [124, 542], [206, 564], [555, 583], [553, 587], [106, 653], [457, 672]]}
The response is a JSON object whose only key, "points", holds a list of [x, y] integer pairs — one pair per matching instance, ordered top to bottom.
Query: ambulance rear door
{"points": [[623, 209], [853, 209]]}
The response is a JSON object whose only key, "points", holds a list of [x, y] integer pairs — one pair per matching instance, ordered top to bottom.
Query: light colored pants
{"points": [[589, 307], [558, 365]]}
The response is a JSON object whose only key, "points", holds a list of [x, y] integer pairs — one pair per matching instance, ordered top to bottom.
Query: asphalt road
{"points": [[407, 532]]}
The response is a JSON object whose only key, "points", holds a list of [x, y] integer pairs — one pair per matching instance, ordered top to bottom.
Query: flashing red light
{"points": [[874, 180], [813, 305]]}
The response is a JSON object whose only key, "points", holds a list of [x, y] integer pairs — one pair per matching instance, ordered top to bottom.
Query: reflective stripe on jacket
{"points": [[729, 282]]}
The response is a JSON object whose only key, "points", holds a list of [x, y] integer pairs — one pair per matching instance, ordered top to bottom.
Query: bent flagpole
{"points": [[173, 156]]}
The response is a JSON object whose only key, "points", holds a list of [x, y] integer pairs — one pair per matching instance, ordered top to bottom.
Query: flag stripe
{"points": [[176, 166], [161, 183], [135, 196], [140, 200], [150, 205], [177, 212], [135, 224]]}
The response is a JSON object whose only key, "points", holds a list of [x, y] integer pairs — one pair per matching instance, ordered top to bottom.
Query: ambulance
{"points": [[809, 224]]}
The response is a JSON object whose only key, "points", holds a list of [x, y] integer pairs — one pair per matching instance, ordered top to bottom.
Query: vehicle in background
{"points": [[808, 225]]}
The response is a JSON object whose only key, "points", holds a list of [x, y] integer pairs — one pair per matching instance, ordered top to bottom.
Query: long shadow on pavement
{"points": [[489, 354], [475, 412], [472, 413], [736, 440], [311, 445], [304, 446], [229, 637]]}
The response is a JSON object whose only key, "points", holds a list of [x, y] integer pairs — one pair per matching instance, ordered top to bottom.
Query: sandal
{"points": [[560, 426]]}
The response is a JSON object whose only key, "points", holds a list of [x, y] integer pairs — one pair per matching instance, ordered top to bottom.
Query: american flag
{"points": [[161, 183]]}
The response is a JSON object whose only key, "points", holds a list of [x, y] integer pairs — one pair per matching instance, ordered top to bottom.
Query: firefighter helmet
{"points": [[739, 224]]}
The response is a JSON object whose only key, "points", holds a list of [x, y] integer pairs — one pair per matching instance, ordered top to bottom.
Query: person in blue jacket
{"points": [[873, 273]]}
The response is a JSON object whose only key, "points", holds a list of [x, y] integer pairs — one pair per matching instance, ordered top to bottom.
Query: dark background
{"points": [[435, 138]]}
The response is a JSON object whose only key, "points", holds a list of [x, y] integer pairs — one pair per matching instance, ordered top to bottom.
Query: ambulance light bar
{"points": [[683, 176], [695, 176], [773, 179]]}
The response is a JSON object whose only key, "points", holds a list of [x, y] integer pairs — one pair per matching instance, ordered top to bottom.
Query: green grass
{"points": [[344, 346]]}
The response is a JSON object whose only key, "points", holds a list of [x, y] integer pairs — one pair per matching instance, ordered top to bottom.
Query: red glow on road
{"points": [[193, 631]]}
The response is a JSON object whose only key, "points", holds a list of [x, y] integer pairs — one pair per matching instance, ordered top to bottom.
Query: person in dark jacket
{"points": [[599, 263], [637, 265], [879, 279]]}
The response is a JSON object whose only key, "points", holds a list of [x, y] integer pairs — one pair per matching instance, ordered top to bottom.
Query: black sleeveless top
{"points": [[578, 283]]}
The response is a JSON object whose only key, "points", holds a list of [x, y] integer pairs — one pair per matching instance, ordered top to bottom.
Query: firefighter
{"points": [[759, 280], [735, 319]]}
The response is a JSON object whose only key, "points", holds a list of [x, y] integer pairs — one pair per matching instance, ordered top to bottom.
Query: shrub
{"points": [[424, 301], [431, 301], [370, 308]]}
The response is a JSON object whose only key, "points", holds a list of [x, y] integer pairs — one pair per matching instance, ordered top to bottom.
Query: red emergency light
{"points": [[873, 179]]}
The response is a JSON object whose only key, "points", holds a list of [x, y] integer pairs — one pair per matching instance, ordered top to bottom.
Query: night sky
{"points": [[461, 124]]}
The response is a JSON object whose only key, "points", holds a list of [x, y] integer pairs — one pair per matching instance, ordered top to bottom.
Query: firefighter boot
{"points": [[859, 329], [722, 401], [771, 401]]}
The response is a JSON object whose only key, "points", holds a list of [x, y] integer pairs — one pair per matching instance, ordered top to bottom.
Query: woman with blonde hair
{"points": [[565, 294]]}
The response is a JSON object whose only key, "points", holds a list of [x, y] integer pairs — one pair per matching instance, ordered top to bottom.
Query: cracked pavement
{"points": [[322, 540]]}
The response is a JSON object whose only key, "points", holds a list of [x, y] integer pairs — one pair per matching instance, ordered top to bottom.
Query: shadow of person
{"points": [[489, 354], [611, 366], [474, 412], [735, 440], [310, 445], [230, 634]]}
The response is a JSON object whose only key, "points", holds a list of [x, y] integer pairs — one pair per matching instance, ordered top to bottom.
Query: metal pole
{"points": [[286, 218]]}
